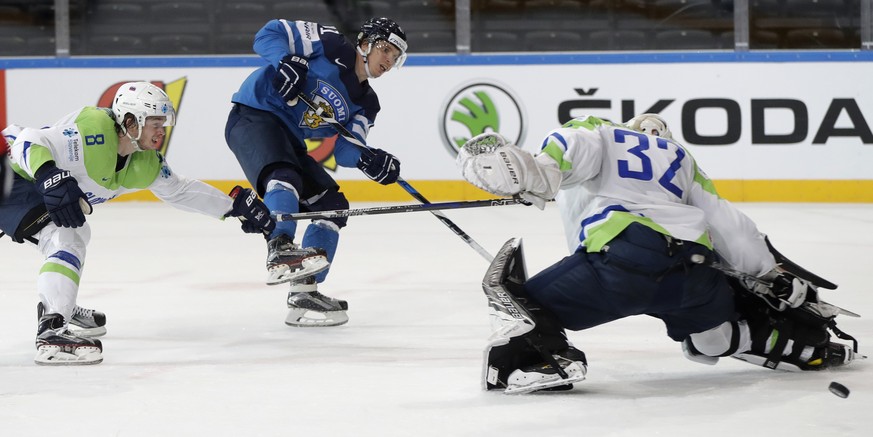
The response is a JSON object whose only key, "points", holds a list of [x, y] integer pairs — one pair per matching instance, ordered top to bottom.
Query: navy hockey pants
{"points": [[638, 272]]}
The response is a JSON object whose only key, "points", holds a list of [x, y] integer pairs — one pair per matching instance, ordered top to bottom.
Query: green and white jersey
{"points": [[85, 143], [613, 176]]}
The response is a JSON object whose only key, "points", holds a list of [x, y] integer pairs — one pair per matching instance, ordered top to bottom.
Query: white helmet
{"points": [[142, 99], [650, 124]]}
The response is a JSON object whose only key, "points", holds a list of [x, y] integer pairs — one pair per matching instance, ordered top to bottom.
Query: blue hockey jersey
{"points": [[331, 84]]}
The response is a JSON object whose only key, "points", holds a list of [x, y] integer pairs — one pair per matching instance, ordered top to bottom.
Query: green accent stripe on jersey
{"points": [[589, 123], [97, 129], [556, 152], [37, 156], [141, 170], [704, 181], [600, 235], [51, 267]]}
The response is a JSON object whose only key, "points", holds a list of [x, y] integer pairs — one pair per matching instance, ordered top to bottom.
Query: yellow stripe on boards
{"points": [[827, 191]]}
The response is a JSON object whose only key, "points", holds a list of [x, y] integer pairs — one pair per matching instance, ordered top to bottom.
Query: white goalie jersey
{"points": [[612, 176]]}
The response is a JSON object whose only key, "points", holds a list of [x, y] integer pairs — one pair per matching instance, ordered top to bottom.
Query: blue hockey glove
{"points": [[290, 77], [379, 166], [64, 200], [255, 216]]}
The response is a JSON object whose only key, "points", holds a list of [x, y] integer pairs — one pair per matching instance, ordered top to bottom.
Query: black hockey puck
{"points": [[839, 389]]}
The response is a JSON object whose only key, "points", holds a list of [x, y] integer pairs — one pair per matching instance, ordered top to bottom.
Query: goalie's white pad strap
{"points": [[490, 163]]}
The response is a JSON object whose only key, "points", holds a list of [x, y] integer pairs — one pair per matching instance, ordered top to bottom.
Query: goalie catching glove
{"points": [[491, 163]]}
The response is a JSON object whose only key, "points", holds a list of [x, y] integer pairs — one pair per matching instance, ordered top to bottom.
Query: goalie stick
{"points": [[319, 111], [338, 213], [700, 259]]}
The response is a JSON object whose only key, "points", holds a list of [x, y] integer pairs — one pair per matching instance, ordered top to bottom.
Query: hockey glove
{"points": [[290, 77], [491, 163], [379, 166], [64, 200], [255, 216]]}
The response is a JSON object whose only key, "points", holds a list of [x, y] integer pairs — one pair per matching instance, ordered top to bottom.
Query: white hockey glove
{"points": [[650, 124], [493, 164], [790, 291]]}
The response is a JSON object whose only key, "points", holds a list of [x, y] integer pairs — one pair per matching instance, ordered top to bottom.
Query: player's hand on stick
{"points": [[290, 77], [379, 166], [64, 200], [253, 213]]}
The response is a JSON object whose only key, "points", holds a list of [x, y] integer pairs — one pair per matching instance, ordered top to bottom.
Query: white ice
{"points": [[197, 345]]}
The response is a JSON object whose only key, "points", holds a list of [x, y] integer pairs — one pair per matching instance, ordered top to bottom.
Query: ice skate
{"points": [[287, 261], [307, 307], [84, 322], [57, 346], [829, 356], [545, 376]]}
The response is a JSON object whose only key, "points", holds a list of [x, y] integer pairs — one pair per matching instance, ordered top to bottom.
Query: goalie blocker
{"points": [[528, 349]]}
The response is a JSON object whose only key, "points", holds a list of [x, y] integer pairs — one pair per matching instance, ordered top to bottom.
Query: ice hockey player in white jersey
{"points": [[90, 156], [640, 216]]}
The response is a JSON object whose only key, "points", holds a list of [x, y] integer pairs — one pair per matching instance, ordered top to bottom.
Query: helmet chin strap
{"points": [[365, 55], [134, 141]]}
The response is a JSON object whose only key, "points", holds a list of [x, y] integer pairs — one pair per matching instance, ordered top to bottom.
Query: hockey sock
{"points": [[282, 199], [323, 234], [58, 282]]}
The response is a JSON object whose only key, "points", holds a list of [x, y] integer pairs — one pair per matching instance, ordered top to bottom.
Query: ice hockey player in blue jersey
{"points": [[267, 128], [648, 235]]}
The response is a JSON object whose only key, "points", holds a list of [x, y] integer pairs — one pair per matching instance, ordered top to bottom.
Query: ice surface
{"points": [[197, 345]]}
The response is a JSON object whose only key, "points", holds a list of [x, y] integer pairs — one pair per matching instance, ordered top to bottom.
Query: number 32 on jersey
{"points": [[642, 161]]}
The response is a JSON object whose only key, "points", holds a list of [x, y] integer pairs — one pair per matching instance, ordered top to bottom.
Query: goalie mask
{"points": [[375, 30], [142, 100], [650, 124]]}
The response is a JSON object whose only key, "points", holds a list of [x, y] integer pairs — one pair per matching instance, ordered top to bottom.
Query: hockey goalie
{"points": [[649, 235]]}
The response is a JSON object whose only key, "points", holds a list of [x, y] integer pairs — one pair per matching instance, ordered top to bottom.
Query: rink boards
{"points": [[767, 126]]}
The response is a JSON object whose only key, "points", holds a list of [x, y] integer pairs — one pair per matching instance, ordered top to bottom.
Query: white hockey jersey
{"points": [[85, 143], [614, 176]]}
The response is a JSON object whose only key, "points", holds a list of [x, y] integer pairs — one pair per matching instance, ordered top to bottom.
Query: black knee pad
{"points": [[280, 172], [332, 200]]}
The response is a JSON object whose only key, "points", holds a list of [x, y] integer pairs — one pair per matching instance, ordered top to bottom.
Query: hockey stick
{"points": [[405, 185], [339, 213], [700, 259]]}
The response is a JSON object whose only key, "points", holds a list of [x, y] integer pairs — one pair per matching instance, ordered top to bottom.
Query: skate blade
{"points": [[282, 274], [303, 318], [88, 332], [50, 355], [575, 373]]}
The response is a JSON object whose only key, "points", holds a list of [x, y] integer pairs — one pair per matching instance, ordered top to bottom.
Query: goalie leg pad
{"points": [[794, 339], [528, 350]]}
